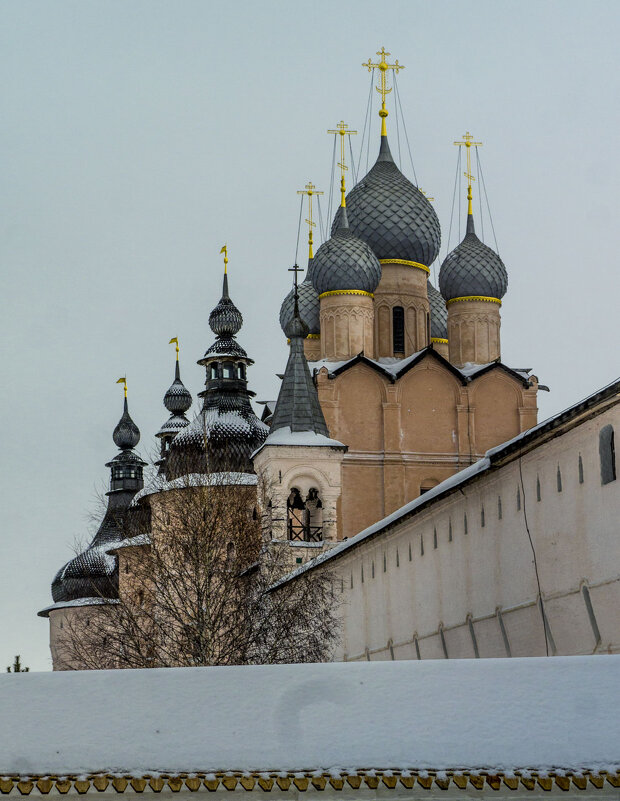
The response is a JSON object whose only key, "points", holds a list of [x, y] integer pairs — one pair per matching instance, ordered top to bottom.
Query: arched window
{"points": [[398, 330], [214, 369], [228, 370], [241, 371], [607, 453], [304, 517]]}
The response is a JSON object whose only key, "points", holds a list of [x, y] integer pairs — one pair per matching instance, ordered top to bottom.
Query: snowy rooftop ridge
{"points": [[284, 436], [196, 480], [544, 714]]}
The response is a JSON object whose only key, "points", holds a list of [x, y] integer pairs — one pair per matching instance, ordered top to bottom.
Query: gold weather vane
{"points": [[383, 90], [343, 129], [468, 143], [310, 190], [224, 250], [176, 342], [123, 381]]}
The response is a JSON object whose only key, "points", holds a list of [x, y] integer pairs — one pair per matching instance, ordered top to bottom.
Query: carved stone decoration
{"points": [[347, 326]]}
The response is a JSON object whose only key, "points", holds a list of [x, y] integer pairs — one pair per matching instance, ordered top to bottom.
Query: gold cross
{"points": [[383, 90], [343, 130], [468, 143], [310, 190]]}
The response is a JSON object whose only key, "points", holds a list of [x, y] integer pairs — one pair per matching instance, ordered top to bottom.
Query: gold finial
{"points": [[383, 66], [343, 129], [468, 143], [310, 190], [426, 194], [224, 250], [176, 342], [123, 381]]}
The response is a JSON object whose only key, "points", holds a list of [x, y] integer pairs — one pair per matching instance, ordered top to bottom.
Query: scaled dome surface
{"points": [[391, 214], [345, 262], [472, 269], [308, 303], [439, 313]]}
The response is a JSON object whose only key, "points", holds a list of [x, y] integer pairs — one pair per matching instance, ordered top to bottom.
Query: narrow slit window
{"points": [[398, 329], [607, 454], [580, 469], [559, 479], [538, 495], [518, 499], [499, 507], [482, 516], [465, 523], [450, 530], [434, 538], [421, 545]]}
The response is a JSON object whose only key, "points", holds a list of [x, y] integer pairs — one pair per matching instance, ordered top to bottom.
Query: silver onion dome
{"points": [[391, 214], [345, 262], [472, 269], [308, 302], [439, 313], [225, 319], [177, 399], [126, 434]]}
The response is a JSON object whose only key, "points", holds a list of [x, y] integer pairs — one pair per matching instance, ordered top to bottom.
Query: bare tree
{"points": [[196, 587]]}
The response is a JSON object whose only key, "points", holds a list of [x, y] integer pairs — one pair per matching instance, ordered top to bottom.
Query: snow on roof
{"points": [[393, 366], [284, 436], [490, 458], [196, 480], [96, 601], [505, 714]]}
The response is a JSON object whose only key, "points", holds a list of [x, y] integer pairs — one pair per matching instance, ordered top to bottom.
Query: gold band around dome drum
{"points": [[406, 263], [345, 292], [474, 297], [313, 336], [439, 340]]}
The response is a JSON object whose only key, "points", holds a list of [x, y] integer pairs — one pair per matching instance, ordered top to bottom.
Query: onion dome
{"points": [[391, 214], [345, 262], [472, 270], [308, 303], [439, 313], [225, 319], [177, 400], [225, 433], [126, 434], [94, 572]]}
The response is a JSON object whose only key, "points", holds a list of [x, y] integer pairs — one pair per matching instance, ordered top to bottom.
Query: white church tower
{"points": [[299, 466]]}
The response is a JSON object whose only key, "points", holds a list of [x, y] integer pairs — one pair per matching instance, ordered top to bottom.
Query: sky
{"points": [[140, 136]]}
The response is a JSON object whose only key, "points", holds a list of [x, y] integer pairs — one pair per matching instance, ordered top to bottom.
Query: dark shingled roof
{"points": [[391, 214], [345, 261], [472, 268], [439, 313], [298, 406]]}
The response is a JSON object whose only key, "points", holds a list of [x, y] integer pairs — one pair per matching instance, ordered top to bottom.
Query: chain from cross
{"points": [[383, 90], [343, 129], [310, 190], [426, 194]]}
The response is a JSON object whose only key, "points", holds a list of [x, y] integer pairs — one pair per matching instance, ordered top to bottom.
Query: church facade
{"points": [[393, 388]]}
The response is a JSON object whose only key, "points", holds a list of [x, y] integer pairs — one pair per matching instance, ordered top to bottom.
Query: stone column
{"points": [[347, 325], [473, 330]]}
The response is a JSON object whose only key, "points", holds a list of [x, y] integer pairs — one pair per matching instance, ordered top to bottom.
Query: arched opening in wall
{"points": [[398, 331], [213, 369], [228, 370], [607, 454], [304, 516]]}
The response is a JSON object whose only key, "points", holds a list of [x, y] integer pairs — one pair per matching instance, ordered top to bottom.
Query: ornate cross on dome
{"points": [[383, 90], [343, 129], [468, 143], [310, 190], [224, 250], [295, 269], [175, 340]]}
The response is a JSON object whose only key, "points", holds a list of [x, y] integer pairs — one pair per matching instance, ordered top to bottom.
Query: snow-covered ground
{"points": [[505, 714]]}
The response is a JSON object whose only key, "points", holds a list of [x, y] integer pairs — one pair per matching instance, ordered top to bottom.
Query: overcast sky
{"points": [[139, 136]]}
